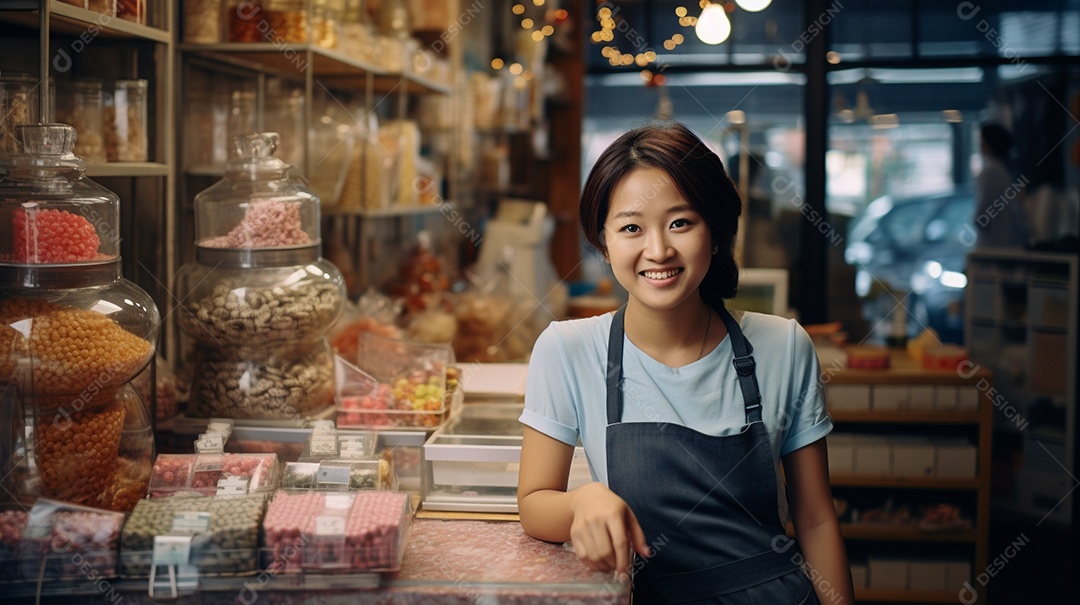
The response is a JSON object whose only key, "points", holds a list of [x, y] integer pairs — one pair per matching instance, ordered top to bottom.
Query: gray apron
{"points": [[708, 505]]}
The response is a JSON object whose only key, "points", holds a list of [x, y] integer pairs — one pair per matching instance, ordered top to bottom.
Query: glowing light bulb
{"points": [[753, 6], [713, 26]]}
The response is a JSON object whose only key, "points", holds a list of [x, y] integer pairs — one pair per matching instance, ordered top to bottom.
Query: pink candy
{"points": [[266, 224], [189, 472], [372, 527]]}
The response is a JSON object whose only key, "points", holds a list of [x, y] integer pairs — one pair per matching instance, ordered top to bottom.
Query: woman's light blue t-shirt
{"points": [[565, 392]]}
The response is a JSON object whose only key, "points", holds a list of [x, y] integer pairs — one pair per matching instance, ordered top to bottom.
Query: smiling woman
{"points": [[660, 207]]}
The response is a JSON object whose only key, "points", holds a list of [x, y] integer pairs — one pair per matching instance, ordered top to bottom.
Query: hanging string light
{"points": [[607, 21]]}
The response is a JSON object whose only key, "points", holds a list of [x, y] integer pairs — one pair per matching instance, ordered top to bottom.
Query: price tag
{"points": [[323, 426], [223, 427], [210, 443], [323, 444], [355, 446], [205, 463], [333, 475], [233, 485], [338, 501], [191, 521], [330, 526], [171, 550]]}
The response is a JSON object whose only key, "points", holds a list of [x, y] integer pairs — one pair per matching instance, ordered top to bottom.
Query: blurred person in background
{"points": [[1000, 218]]}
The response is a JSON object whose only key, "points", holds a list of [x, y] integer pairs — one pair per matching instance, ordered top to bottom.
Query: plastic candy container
{"points": [[258, 300], [73, 335]]}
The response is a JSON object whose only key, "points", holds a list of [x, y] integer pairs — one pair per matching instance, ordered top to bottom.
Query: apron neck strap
{"points": [[743, 362], [744, 366], [614, 367]]}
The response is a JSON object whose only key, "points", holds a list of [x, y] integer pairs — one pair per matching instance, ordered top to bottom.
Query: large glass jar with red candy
{"points": [[259, 299], [73, 335]]}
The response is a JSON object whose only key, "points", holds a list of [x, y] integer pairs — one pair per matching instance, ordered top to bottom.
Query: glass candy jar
{"points": [[258, 300], [73, 335]]}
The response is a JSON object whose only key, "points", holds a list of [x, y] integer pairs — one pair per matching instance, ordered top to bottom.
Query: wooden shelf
{"points": [[68, 19], [329, 67], [127, 169], [389, 212], [904, 370], [902, 416], [947, 483], [904, 533], [879, 595]]}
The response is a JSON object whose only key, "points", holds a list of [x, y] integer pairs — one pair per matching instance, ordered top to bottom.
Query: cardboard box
{"points": [[848, 397], [890, 397], [921, 397], [946, 398], [968, 398], [841, 453], [873, 456], [913, 457], [956, 460], [956, 573], [888, 574], [859, 576], [927, 576]]}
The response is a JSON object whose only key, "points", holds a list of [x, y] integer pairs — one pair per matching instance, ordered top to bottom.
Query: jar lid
{"points": [[46, 145], [254, 155]]}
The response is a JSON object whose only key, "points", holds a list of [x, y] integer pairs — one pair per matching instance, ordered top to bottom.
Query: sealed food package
{"points": [[258, 300], [73, 335], [396, 383], [175, 474], [340, 474], [223, 532], [336, 532], [62, 541]]}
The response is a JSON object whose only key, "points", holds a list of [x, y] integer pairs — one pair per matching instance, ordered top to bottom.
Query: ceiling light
{"points": [[753, 6], [713, 26]]}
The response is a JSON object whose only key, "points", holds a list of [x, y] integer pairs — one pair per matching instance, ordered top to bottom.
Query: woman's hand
{"points": [[604, 529]]}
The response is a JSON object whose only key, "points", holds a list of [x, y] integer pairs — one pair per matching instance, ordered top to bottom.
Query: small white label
{"points": [[323, 426], [210, 443], [324, 444], [333, 475], [232, 485], [338, 502], [191, 521], [330, 526], [171, 550]]}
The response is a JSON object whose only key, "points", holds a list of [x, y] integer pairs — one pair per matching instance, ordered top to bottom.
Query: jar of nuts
{"points": [[19, 98], [81, 104], [125, 121], [258, 300], [73, 335]]}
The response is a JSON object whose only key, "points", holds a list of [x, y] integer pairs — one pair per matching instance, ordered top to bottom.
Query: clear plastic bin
{"points": [[177, 473], [336, 532]]}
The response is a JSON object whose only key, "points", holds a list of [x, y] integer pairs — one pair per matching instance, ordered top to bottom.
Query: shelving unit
{"points": [[111, 47], [319, 70], [1022, 324], [917, 417]]}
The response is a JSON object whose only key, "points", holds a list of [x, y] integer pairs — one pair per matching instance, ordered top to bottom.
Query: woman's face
{"points": [[659, 247]]}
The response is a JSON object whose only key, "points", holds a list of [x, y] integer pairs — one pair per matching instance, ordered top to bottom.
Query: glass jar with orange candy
{"points": [[73, 335]]}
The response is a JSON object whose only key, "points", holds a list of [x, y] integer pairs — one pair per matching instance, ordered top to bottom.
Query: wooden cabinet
{"points": [[912, 439]]}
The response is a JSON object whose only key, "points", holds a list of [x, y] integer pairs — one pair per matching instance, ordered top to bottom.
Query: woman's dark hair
{"points": [[997, 139], [698, 173]]}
